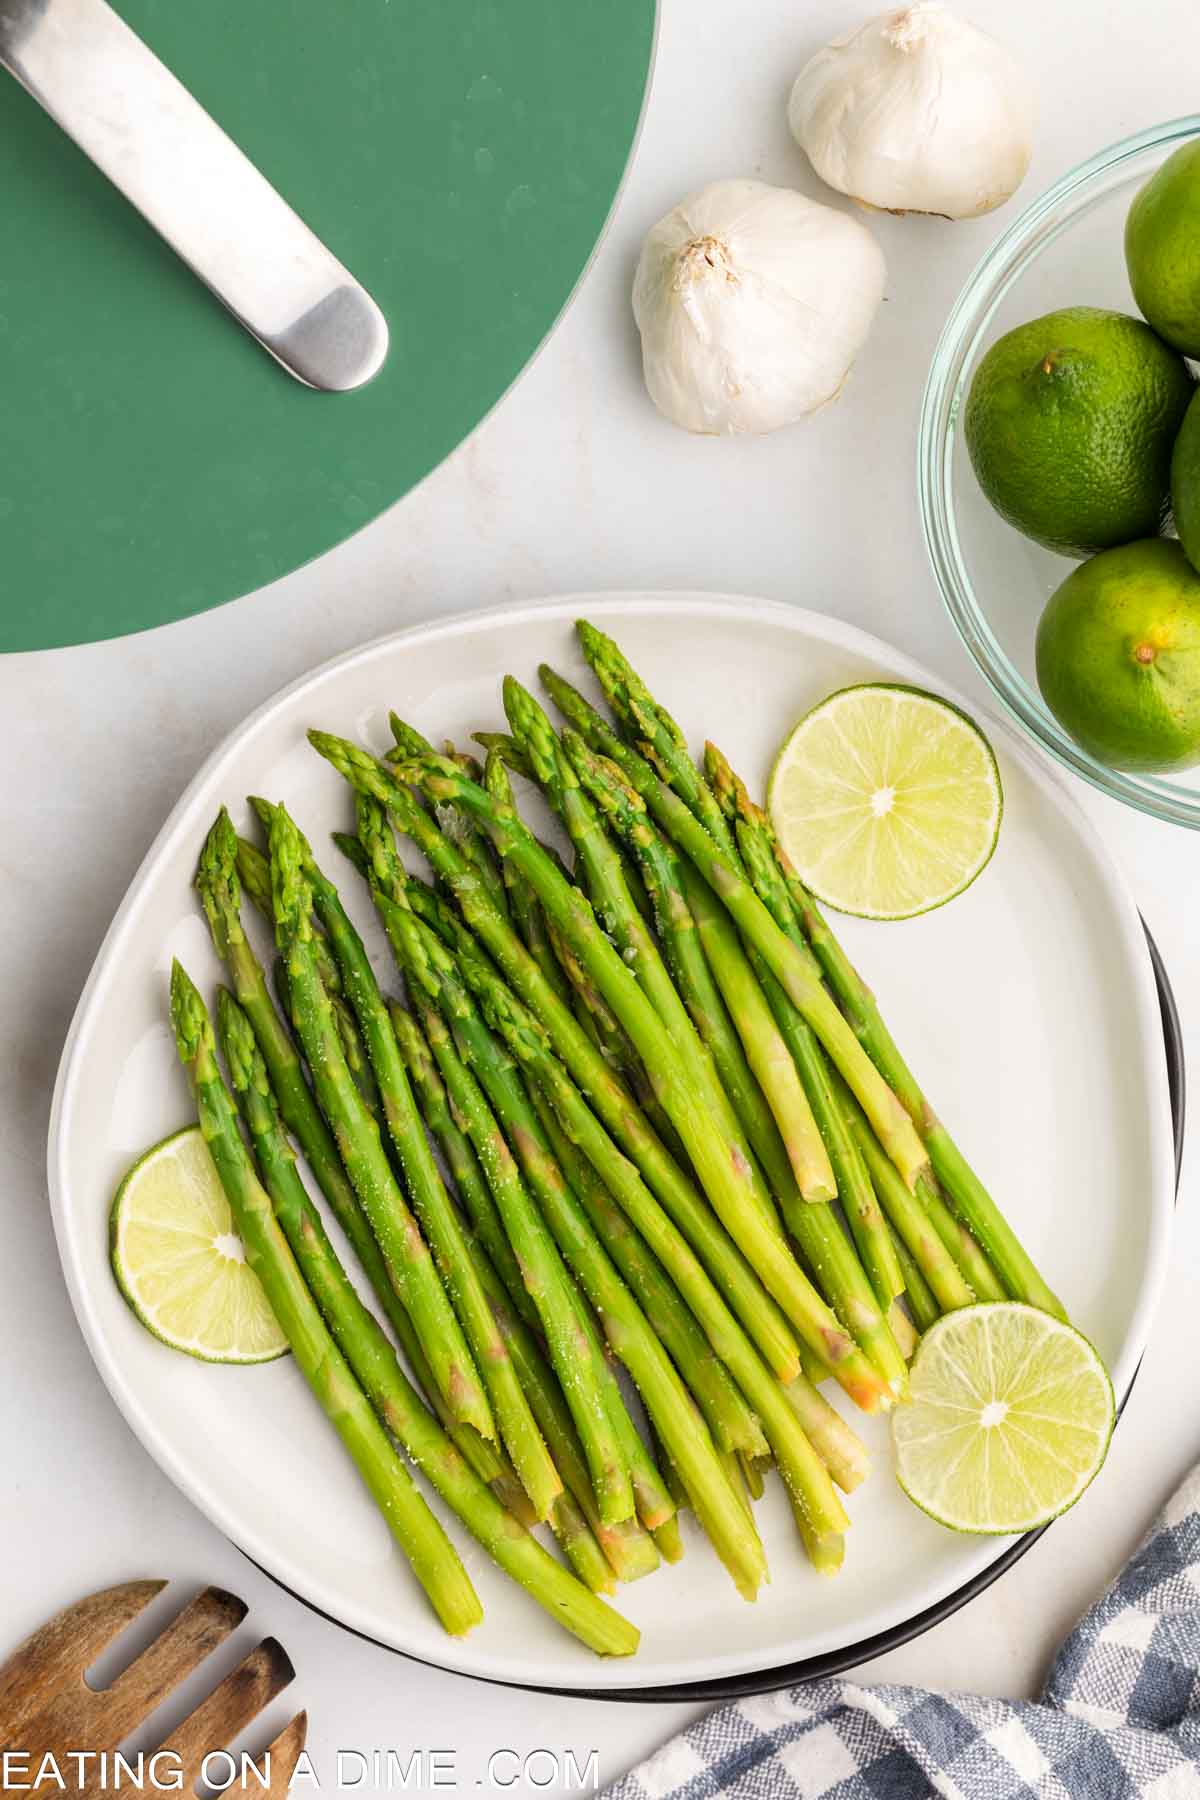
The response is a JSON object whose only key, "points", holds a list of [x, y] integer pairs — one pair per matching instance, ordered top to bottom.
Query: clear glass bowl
{"points": [[1066, 249]]}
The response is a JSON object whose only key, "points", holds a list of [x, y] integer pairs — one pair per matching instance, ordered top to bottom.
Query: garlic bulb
{"points": [[916, 112], [752, 302]]}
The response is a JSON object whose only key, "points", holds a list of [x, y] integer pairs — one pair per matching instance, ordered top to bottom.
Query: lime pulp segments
{"points": [[887, 801], [179, 1262], [1009, 1419]]}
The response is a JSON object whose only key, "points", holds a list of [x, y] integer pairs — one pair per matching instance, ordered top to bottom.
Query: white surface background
{"points": [[573, 483]]}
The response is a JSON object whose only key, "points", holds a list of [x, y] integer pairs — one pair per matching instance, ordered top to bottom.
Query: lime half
{"points": [[887, 800], [179, 1261], [1009, 1419]]}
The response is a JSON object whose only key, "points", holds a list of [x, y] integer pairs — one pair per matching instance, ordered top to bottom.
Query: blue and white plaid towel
{"points": [[1119, 1718]]}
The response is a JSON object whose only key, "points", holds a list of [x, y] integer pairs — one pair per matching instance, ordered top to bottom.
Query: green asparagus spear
{"points": [[653, 731], [459, 824], [695, 838], [756, 839], [224, 858], [254, 873], [663, 873], [606, 882], [219, 890], [799, 915], [527, 916], [738, 976], [570, 980], [745, 981], [748, 990], [602, 1027], [524, 1038], [353, 1048], [779, 1049], [360, 1143], [728, 1173], [858, 1195], [972, 1203], [484, 1214], [908, 1217], [439, 1221], [817, 1230], [687, 1249], [829, 1257], [542, 1271], [917, 1291], [759, 1313], [901, 1326], [373, 1362], [666, 1398], [730, 1420], [840, 1449], [487, 1459], [633, 1461], [735, 1475], [752, 1475], [652, 1502], [669, 1537], [629, 1549], [432, 1556]]}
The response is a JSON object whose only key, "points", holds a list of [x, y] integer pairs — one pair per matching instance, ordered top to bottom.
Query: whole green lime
{"points": [[1162, 249], [1069, 424], [1185, 483], [1118, 656]]}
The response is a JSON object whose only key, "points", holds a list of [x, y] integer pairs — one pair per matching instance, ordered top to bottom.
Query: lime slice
{"points": [[887, 800], [180, 1263], [1009, 1418]]}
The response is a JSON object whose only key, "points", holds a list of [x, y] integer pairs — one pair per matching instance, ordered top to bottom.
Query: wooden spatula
{"points": [[48, 1711]]}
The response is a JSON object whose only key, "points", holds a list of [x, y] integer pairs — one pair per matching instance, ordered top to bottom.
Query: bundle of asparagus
{"points": [[680, 1141]]}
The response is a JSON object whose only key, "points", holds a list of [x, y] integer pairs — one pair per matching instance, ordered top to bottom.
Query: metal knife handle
{"points": [[125, 109]]}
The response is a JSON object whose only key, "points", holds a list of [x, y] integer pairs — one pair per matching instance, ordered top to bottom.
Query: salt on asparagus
{"points": [[225, 862], [781, 1045], [614, 1103], [892, 1124], [360, 1144], [710, 1151], [438, 1219], [862, 1311], [372, 1361], [664, 1394], [831, 1438], [629, 1549], [432, 1556]]}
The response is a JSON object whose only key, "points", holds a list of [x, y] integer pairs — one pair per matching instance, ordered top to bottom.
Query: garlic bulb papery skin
{"points": [[918, 111], [752, 302]]}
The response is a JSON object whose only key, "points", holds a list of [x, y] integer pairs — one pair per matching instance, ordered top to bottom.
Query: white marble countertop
{"points": [[572, 483]]}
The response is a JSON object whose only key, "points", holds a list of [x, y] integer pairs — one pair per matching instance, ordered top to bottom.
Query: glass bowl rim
{"points": [[968, 319]]}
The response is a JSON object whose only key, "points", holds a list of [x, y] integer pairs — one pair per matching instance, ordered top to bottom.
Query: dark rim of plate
{"points": [[834, 1662]]}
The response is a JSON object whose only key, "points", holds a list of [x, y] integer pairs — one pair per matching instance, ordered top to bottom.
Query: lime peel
{"points": [[887, 800], [180, 1263], [1009, 1419]]}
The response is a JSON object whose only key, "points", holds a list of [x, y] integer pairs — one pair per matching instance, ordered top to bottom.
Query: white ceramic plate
{"points": [[1027, 1006]]}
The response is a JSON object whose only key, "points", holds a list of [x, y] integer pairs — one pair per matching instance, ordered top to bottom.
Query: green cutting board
{"points": [[460, 156]]}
